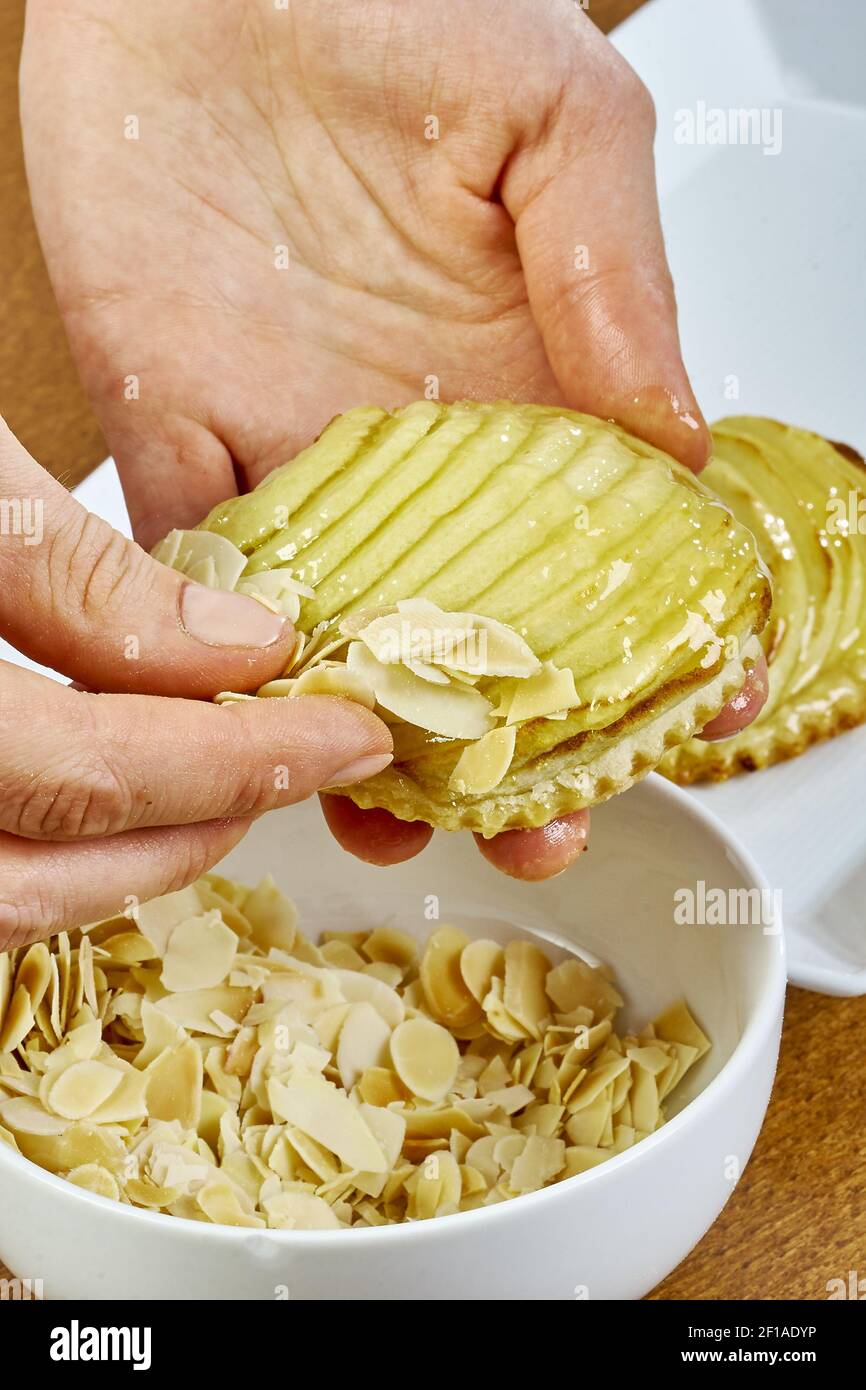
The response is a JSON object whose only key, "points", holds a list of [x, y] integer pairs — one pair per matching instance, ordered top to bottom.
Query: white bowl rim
{"points": [[737, 1066]]}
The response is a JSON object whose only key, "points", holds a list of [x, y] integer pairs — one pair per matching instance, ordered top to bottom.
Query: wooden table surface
{"points": [[797, 1218]]}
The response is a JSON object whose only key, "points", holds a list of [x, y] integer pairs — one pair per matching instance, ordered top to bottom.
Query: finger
{"points": [[581, 192], [173, 471], [78, 597], [745, 706], [96, 765], [374, 836], [377, 837], [533, 855], [47, 888]]}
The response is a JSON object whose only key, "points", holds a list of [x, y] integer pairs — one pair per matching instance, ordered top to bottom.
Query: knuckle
{"points": [[603, 96], [630, 96], [91, 569], [254, 771], [256, 791], [255, 795], [86, 799], [194, 856], [26, 914], [16, 925]]}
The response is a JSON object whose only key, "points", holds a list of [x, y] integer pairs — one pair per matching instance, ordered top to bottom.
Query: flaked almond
{"points": [[205, 557], [278, 590], [334, 680], [546, 692], [451, 710], [483, 764], [273, 917], [158, 918], [391, 946], [199, 954], [480, 961], [526, 969], [573, 983], [357, 986], [448, 998], [677, 1025], [363, 1042], [425, 1058], [173, 1084], [380, 1086], [81, 1088], [224, 1103], [25, 1115], [329, 1117], [539, 1161], [94, 1178], [300, 1211]]}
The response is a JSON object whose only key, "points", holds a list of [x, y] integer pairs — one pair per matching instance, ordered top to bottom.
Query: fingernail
{"points": [[669, 419], [222, 619], [360, 769]]}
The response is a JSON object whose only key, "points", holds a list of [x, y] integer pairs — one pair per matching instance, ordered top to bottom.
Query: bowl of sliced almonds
{"points": [[303, 1077]]}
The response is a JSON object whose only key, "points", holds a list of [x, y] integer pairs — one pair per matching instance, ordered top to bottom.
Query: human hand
{"points": [[282, 240], [133, 793]]}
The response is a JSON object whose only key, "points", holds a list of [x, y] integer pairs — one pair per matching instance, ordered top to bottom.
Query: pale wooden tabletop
{"points": [[797, 1218]]}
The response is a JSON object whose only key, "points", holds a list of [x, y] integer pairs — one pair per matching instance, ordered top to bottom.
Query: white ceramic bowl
{"points": [[613, 1232]]}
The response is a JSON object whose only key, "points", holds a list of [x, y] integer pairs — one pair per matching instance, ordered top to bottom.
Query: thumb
{"points": [[581, 192], [79, 597]]}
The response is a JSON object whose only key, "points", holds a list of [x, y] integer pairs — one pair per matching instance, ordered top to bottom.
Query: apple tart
{"points": [[805, 501], [537, 603]]}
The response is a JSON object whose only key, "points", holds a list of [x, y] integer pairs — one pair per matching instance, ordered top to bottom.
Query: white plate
{"points": [[768, 256], [769, 259]]}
